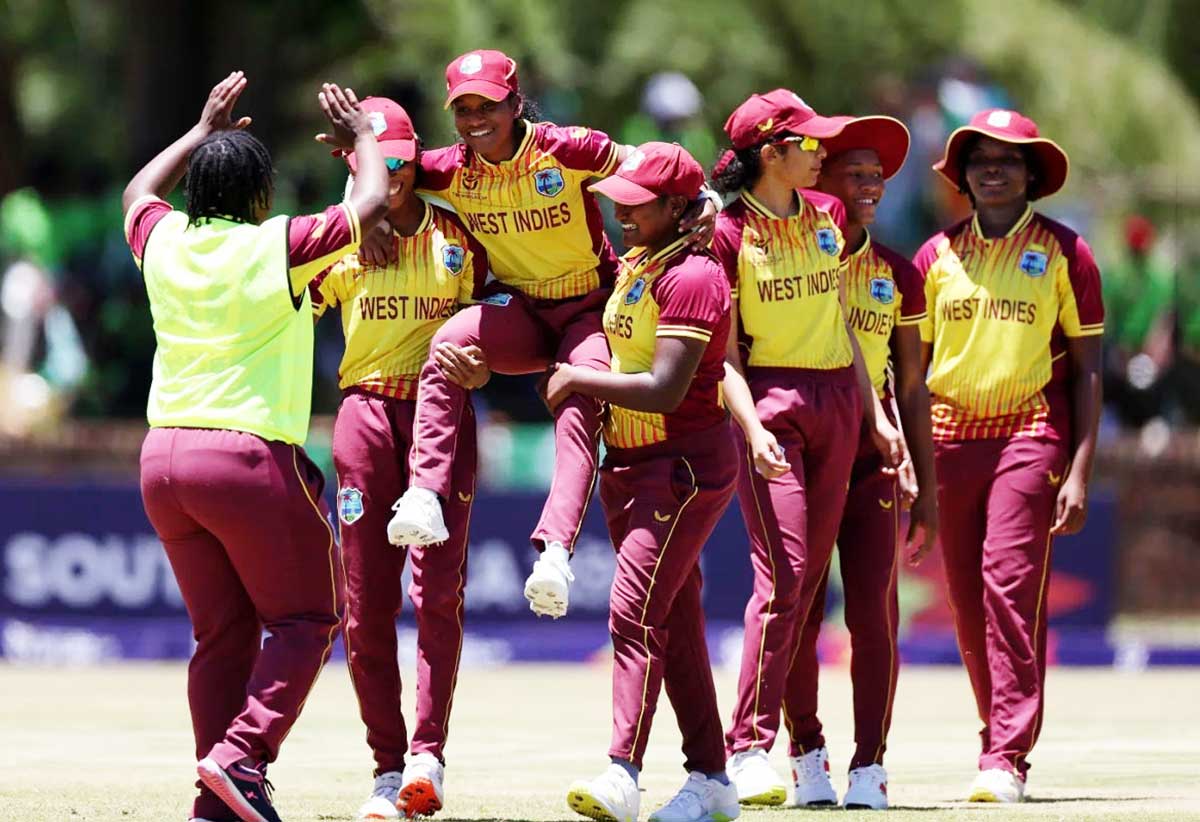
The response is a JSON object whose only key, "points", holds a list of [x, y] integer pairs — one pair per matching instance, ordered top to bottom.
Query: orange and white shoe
{"points": [[421, 794], [381, 804]]}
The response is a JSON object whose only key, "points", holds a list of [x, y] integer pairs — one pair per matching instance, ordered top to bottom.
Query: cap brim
{"points": [[484, 88], [820, 127], [886, 136], [406, 150], [1056, 165], [622, 191]]}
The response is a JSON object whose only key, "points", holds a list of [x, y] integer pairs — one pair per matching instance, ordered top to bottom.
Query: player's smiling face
{"points": [[486, 126], [997, 174], [856, 178], [402, 183], [653, 225]]}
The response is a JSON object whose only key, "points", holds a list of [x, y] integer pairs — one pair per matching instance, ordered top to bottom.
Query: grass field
{"points": [[114, 743]]}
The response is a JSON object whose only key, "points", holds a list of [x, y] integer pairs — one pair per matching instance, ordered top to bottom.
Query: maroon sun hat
{"points": [[486, 72], [774, 114], [1009, 127], [393, 129], [887, 136], [652, 170]]}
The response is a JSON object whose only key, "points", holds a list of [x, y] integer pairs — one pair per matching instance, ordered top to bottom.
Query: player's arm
{"points": [[159, 177], [659, 390], [912, 400], [1086, 400], [885, 436], [768, 456]]}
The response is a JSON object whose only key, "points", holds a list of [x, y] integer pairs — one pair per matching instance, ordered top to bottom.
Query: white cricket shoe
{"points": [[418, 519], [548, 585], [810, 775], [757, 782], [997, 785], [867, 789], [422, 793], [610, 797], [700, 800], [382, 802]]}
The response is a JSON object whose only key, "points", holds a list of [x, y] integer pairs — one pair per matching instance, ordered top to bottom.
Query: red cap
{"points": [[488, 73], [775, 114], [1009, 127], [393, 129], [886, 136], [652, 170], [1139, 233]]}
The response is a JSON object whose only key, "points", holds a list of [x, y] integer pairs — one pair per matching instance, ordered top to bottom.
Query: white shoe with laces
{"points": [[418, 519], [548, 586], [810, 775], [756, 781], [997, 785], [867, 789], [422, 793], [610, 797], [700, 800], [382, 802]]}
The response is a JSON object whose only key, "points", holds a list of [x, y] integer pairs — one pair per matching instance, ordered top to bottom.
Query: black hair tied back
{"points": [[229, 176]]}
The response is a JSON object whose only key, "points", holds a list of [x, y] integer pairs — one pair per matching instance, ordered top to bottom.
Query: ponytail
{"points": [[737, 169]]}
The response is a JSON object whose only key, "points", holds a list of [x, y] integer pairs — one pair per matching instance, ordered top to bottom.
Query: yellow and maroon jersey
{"points": [[542, 228], [785, 272], [883, 290], [678, 292], [390, 313], [999, 313]]}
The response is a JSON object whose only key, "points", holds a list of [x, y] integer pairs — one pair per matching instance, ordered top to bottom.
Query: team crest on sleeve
{"points": [[549, 182], [827, 241], [452, 258], [1033, 263], [883, 290], [635, 291], [349, 505]]}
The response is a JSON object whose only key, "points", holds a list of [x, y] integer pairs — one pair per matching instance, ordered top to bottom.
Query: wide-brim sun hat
{"points": [[1009, 127], [886, 136]]}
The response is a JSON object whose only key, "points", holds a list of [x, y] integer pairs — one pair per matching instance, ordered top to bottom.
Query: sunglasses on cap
{"points": [[806, 143], [393, 164]]}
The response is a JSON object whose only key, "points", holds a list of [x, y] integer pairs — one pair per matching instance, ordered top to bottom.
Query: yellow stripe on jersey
{"points": [[788, 275], [875, 305]]}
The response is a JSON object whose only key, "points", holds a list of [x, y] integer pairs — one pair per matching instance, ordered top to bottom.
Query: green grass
{"points": [[114, 744]]}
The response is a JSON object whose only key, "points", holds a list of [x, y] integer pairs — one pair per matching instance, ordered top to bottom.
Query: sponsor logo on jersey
{"points": [[549, 182], [827, 241], [452, 258], [1033, 263], [883, 290], [635, 291], [349, 505]]}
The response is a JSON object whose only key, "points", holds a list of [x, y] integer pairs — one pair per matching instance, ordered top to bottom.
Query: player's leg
{"points": [[514, 341], [371, 462], [437, 593]]}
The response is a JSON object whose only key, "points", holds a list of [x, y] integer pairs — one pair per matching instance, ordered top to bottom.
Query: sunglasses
{"points": [[806, 143], [393, 164]]}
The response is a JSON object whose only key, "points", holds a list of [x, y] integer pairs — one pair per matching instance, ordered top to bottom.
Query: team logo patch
{"points": [[471, 64], [999, 119], [378, 122], [633, 160], [549, 182], [827, 241], [452, 258], [1033, 263], [883, 290], [635, 291], [497, 299], [350, 505]]}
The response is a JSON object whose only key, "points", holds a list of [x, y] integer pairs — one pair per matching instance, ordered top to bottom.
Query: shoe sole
{"points": [[412, 535], [546, 598], [216, 780], [984, 795], [774, 796], [418, 798], [817, 803], [585, 804], [864, 806], [712, 817]]}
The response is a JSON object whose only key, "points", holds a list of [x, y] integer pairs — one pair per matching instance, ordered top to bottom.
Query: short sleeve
{"points": [[582, 149], [438, 167], [141, 218], [316, 241], [727, 244], [911, 286], [328, 289], [692, 298], [1081, 306]]}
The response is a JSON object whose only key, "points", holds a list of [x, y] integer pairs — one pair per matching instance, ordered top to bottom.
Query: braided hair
{"points": [[737, 169], [229, 176]]}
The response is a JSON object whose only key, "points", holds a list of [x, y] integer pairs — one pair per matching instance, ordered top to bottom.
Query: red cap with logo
{"points": [[488, 73], [776, 114], [1008, 127], [393, 129], [651, 171]]}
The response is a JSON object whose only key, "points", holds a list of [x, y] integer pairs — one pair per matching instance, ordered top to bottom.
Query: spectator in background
{"points": [[670, 113], [1138, 292], [1185, 378]]}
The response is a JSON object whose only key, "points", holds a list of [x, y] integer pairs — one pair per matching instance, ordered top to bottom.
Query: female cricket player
{"points": [[520, 188], [886, 301], [389, 315], [1012, 339], [797, 385], [668, 476], [226, 485]]}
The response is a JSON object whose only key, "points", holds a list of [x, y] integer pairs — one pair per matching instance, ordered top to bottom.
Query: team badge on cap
{"points": [[471, 64], [549, 182], [827, 241], [452, 258], [1033, 263], [883, 290], [635, 291], [350, 505]]}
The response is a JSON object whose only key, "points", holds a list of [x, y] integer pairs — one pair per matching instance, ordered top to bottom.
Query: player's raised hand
{"points": [[218, 109], [346, 117]]}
